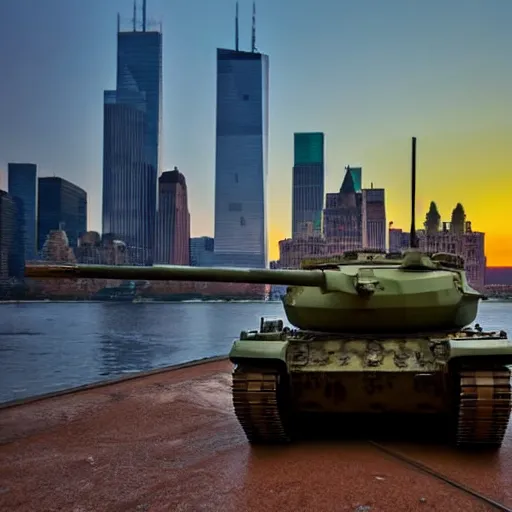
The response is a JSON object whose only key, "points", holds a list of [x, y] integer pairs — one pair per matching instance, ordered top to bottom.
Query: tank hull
{"points": [[462, 378]]}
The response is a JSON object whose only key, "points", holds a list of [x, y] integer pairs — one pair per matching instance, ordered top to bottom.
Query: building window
{"points": [[235, 207]]}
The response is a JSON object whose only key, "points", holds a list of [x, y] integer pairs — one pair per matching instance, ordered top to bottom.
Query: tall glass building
{"points": [[139, 83], [131, 152], [241, 160], [22, 183], [308, 183], [128, 195], [61, 205], [11, 245]]}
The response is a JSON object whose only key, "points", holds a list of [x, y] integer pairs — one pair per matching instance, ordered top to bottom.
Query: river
{"points": [[52, 346]]}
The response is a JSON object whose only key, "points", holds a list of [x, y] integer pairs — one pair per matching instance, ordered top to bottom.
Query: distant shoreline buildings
{"points": [[455, 236]]}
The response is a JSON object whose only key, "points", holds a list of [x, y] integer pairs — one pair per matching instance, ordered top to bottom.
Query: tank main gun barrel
{"points": [[178, 273]]}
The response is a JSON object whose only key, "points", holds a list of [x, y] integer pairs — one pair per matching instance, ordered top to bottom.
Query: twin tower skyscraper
{"points": [[132, 148]]}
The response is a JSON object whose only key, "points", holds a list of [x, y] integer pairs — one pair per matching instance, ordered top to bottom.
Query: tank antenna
{"points": [[134, 15], [144, 15], [236, 28], [253, 41], [413, 238]]}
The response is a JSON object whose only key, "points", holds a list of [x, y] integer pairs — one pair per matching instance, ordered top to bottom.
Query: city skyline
{"points": [[378, 128]]}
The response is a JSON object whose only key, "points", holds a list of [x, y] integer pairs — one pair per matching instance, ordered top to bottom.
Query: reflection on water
{"points": [[124, 339], [50, 346]]}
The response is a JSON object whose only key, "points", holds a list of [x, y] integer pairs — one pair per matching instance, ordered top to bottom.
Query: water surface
{"points": [[52, 346]]}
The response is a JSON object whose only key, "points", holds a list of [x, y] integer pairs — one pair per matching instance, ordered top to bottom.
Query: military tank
{"points": [[371, 332]]}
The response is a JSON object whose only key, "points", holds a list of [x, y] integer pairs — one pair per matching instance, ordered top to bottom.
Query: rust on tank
{"points": [[440, 350], [298, 354], [374, 354], [319, 356], [343, 358]]}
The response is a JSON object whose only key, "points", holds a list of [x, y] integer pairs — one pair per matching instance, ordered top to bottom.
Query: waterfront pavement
{"points": [[170, 442]]}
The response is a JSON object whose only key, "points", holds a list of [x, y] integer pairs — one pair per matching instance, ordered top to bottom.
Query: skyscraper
{"points": [[131, 159], [241, 165], [308, 183], [23, 188], [128, 194], [61, 205], [342, 217], [374, 218], [173, 227], [11, 245]]}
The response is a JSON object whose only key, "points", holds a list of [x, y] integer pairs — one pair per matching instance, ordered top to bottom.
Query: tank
{"points": [[369, 333]]}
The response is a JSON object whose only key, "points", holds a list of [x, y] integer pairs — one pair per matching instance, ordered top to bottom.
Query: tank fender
{"points": [[491, 348], [252, 350]]}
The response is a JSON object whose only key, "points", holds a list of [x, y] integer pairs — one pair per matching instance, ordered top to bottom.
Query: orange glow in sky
{"points": [[473, 168]]}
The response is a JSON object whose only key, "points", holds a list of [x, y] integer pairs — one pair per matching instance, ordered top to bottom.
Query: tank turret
{"points": [[359, 291]]}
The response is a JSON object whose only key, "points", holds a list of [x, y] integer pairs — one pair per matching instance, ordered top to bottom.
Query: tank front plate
{"points": [[376, 355]]}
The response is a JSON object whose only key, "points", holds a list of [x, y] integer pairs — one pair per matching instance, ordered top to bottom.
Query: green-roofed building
{"points": [[356, 173], [308, 183]]}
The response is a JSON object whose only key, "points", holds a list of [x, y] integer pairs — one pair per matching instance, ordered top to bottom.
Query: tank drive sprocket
{"points": [[258, 403], [485, 404]]}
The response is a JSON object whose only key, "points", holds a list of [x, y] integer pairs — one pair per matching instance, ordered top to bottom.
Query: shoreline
{"points": [[18, 402]]}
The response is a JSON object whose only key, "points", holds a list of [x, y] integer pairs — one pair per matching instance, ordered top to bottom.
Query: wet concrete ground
{"points": [[170, 442]]}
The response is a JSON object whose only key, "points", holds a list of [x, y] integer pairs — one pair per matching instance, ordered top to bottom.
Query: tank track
{"points": [[256, 400], [484, 407]]}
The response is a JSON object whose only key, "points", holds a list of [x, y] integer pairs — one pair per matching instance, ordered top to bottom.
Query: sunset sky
{"points": [[369, 73]]}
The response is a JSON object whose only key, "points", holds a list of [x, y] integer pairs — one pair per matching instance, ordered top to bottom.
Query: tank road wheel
{"points": [[259, 399], [484, 407]]}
